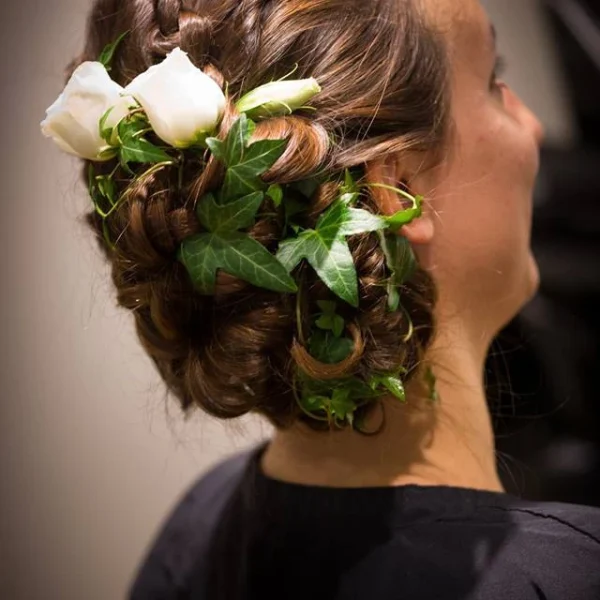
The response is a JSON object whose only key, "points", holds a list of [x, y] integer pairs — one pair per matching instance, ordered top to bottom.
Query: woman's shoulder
{"points": [[509, 547]]}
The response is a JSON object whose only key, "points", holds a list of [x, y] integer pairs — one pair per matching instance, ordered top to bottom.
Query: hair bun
{"points": [[385, 92]]}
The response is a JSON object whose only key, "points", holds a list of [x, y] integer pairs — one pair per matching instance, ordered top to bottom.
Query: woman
{"points": [[381, 480]]}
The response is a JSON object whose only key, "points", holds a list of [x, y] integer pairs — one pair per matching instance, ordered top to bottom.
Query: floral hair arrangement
{"points": [[98, 120]]}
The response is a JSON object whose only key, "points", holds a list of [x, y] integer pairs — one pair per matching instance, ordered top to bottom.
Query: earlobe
{"points": [[388, 171], [421, 230]]}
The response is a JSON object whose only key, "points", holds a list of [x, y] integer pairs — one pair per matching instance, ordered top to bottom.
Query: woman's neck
{"points": [[450, 442]]}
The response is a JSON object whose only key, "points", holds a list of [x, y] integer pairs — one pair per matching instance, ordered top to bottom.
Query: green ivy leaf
{"points": [[107, 55], [106, 132], [237, 140], [217, 147], [134, 148], [243, 178], [349, 183], [306, 187], [107, 188], [93, 189], [349, 190], [275, 192], [292, 208], [236, 215], [326, 248], [237, 254], [330, 258], [401, 262], [327, 306], [330, 320], [325, 322], [338, 325], [328, 348], [431, 381], [395, 386], [314, 403], [342, 406]]}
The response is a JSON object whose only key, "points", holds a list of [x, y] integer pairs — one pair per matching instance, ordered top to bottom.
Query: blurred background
{"points": [[92, 456]]}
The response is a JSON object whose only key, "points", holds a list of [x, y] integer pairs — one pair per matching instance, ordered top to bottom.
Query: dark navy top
{"points": [[238, 534]]}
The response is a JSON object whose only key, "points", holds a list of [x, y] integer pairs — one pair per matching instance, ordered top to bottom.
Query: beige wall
{"points": [[90, 461]]}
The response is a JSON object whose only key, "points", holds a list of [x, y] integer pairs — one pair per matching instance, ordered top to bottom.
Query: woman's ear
{"points": [[388, 170]]}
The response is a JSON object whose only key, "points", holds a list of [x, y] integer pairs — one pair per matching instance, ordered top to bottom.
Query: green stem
{"points": [[154, 169], [180, 172], [416, 200], [299, 309], [411, 328], [299, 403]]}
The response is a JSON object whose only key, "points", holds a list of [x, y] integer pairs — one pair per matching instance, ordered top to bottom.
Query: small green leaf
{"points": [[107, 54], [106, 132], [237, 139], [217, 147], [134, 148], [142, 151], [261, 156], [243, 178], [349, 184], [237, 185], [107, 187], [307, 187], [93, 190], [349, 190], [275, 192], [350, 198], [292, 208], [231, 216], [360, 221], [237, 254], [403, 259], [401, 263], [393, 297], [327, 306], [329, 320], [325, 322], [338, 325], [330, 349], [431, 380], [395, 386], [315, 403], [341, 404]]}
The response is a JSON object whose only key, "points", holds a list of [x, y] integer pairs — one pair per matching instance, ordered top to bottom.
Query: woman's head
{"points": [[405, 98]]}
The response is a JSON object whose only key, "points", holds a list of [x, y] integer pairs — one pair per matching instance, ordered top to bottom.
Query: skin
{"points": [[474, 237]]}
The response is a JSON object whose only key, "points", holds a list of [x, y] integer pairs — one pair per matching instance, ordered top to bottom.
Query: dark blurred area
{"points": [[543, 368]]}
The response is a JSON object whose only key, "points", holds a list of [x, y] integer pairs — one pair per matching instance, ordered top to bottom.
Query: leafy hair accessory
{"points": [[183, 107]]}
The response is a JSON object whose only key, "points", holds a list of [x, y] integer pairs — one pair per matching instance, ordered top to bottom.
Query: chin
{"points": [[533, 278], [526, 287]]}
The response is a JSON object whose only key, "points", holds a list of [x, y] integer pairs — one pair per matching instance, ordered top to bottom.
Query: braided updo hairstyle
{"points": [[383, 76]]}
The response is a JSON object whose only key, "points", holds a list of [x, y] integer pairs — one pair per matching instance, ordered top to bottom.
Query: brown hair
{"points": [[383, 75]]}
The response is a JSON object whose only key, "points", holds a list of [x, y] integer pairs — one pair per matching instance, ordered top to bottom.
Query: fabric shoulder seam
{"points": [[552, 517]]}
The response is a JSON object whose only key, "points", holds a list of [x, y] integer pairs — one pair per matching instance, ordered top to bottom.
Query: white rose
{"points": [[278, 98], [183, 104], [73, 121]]}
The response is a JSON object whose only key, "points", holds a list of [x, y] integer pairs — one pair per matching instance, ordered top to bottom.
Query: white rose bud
{"points": [[278, 98], [183, 104], [73, 121]]}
